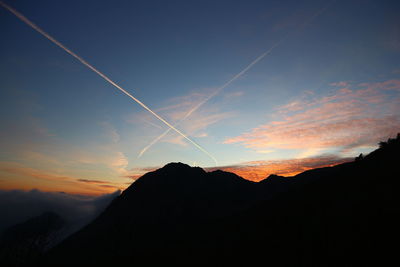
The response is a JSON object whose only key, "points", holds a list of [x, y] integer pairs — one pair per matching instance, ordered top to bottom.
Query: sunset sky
{"points": [[326, 89]]}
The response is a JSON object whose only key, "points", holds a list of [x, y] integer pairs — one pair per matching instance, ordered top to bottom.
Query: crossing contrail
{"points": [[84, 62], [237, 76], [219, 89]]}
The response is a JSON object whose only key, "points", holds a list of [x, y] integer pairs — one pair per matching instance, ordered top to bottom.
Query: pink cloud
{"points": [[340, 84], [386, 85], [349, 118], [196, 125]]}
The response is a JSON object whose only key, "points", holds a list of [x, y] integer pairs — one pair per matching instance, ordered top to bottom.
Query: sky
{"points": [[263, 87]]}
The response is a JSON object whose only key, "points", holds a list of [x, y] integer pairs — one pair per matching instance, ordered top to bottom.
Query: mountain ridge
{"points": [[180, 215]]}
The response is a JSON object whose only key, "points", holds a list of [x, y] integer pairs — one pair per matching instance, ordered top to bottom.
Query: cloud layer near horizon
{"points": [[349, 118], [260, 170], [51, 181], [17, 206]]}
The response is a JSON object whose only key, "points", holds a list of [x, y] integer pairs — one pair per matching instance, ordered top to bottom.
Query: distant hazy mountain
{"points": [[346, 215], [24, 243]]}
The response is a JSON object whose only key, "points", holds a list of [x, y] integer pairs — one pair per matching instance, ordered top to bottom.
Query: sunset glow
{"points": [[258, 89]]}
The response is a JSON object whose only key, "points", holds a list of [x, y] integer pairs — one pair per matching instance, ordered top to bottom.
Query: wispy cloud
{"points": [[340, 84], [235, 94], [348, 118], [195, 126], [110, 131], [106, 156], [119, 163], [15, 168], [136, 173], [53, 181], [92, 181]]}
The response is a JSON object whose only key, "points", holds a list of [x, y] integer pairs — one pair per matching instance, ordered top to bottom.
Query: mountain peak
{"points": [[177, 166], [180, 169], [274, 177], [182, 213]]}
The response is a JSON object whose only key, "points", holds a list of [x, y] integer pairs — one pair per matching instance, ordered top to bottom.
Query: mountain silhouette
{"points": [[345, 215]]}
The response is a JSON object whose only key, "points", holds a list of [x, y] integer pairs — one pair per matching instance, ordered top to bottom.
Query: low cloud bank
{"points": [[17, 206]]}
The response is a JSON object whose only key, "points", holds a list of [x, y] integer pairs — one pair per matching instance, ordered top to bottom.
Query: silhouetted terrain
{"points": [[346, 215], [26, 242]]}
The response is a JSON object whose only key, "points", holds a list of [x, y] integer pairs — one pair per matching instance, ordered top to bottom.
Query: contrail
{"points": [[84, 62], [219, 89]]}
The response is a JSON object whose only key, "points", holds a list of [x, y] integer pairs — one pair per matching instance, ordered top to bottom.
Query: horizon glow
{"points": [[329, 91]]}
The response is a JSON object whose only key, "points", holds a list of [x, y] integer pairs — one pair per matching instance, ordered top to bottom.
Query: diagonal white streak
{"points": [[84, 62], [219, 89]]}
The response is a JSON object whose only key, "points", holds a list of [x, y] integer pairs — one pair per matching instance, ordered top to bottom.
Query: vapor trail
{"points": [[304, 24], [84, 62], [219, 89], [208, 98]]}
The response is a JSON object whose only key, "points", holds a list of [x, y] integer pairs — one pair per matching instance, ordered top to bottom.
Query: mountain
{"points": [[346, 215], [24, 243]]}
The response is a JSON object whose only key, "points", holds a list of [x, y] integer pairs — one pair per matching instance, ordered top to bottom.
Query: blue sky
{"points": [[61, 120]]}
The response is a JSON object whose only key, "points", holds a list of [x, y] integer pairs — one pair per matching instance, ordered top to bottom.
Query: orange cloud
{"points": [[347, 119], [259, 170], [136, 173], [49, 181], [92, 181]]}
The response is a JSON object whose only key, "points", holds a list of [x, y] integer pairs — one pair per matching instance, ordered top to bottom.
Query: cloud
{"points": [[340, 84], [386, 85], [235, 94], [177, 108], [349, 118], [110, 131], [106, 155], [39, 158], [119, 163], [15, 168], [259, 170], [136, 173], [51, 181], [92, 181], [16, 206]]}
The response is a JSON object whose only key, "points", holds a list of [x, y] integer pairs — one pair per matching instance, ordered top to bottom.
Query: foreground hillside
{"points": [[346, 215]]}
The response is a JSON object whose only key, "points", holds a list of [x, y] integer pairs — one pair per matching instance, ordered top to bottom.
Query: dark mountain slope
{"points": [[157, 206], [345, 215], [24, 243]]}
